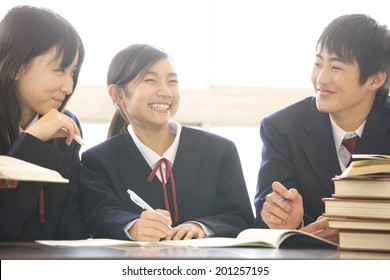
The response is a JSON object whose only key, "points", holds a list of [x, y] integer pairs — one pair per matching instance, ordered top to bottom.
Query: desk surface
{"points": [[19, 250]]}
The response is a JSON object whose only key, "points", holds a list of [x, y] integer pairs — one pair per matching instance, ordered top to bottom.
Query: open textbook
{"points": [[368, 165], [15, 169], [253, 237]]}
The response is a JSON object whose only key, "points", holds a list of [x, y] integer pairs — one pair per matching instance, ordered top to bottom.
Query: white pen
{"points": [[78, 139], [141, 203]]}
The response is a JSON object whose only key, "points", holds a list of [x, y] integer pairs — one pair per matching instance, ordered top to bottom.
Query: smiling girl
{"points": [[40, 59], [193, 179]]}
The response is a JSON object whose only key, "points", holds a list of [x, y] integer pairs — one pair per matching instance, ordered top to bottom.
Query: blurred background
{"points": [[238, 60]]}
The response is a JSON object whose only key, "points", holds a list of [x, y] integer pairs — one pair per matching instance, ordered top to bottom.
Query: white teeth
{"points": [[159, 106]]}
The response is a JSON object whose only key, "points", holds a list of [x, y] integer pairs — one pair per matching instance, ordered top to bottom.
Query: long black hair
{"points": [[27, 32]]}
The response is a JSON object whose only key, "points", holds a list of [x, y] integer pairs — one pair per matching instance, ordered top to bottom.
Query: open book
{"points": [[368, 164], [15, 169], [253, 237]]}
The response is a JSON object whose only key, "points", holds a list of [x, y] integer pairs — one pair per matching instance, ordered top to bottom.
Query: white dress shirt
{"points": [[338, 136], [152, 158]]}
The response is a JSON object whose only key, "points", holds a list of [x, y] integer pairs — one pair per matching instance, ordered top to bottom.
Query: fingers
{"points": [[54, 124], [279, 189], [286, 194], [294, 196], [283, 208], [275, 209], [275, 212], [165, 217], [320, 224], [151, 226], [321, 229], [186, 231]]}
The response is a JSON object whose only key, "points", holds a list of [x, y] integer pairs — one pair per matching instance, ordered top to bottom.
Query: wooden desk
{"points": [[26, 251]]}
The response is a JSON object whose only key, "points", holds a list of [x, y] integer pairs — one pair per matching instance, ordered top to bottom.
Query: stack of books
{"points": [[360, 205]]}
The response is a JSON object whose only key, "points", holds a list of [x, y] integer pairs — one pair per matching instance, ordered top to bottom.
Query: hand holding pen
{"points": [[55, 124], [283, 208], [153, 225]]}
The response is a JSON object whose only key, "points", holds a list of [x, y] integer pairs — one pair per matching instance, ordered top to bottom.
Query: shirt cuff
{"points": [[301, 225], [127, 227]]}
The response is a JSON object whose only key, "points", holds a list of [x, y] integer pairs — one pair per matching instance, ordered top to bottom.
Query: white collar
{"points": [[34, 120], [339, 134], [151, 156]]}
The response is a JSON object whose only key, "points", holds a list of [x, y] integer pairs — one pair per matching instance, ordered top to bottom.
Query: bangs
{"points": [[67, 48], [343, 49], [132, 63]]}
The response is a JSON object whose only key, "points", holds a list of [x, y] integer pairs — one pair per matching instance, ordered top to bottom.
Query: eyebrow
{"points": [[333, 58], [172, 74]]}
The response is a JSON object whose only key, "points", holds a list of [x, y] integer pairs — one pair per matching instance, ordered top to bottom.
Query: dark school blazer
{"points": [[299, 151], [210, 185], [19, 217]]}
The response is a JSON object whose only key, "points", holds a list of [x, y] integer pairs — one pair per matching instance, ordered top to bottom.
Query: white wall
{"points": [[216, 106]]}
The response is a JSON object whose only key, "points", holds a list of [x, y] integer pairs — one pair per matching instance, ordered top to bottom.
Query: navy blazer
{"points": [[299, 151], [210, 185], [19, 217]]}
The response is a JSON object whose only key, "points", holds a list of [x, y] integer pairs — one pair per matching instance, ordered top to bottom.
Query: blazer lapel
{"points": [[318, 146], [185, 161]]}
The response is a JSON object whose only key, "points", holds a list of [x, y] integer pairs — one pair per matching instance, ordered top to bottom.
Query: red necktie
{"points": [[351, 144], [168, 174], [8, 184], [12, 184], [42, 207]]}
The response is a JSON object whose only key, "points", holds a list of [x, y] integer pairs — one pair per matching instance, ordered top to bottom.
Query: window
{"points": [[214, 42], [221, 47]]}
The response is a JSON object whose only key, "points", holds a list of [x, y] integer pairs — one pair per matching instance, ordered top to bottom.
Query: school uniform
{"points": [[299, 151], [209, 183], [60, 218]]}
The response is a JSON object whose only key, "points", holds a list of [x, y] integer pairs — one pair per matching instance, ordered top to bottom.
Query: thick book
{"points": [[364, 165], [13, 169], [362, 187], [357, 208], [342, 223], [253, 237], [364, 240]]}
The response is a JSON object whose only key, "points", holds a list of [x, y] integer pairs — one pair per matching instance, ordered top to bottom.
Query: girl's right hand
{"points": [[52, 125], [151, 226]]}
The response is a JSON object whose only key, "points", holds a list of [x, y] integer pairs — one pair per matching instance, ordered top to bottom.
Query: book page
{"points": [[370, 156], [16, 169], [270, 236], [253, 237], [285, 238], [92, 242], [97, 242], [212, 242], [215, 242]]}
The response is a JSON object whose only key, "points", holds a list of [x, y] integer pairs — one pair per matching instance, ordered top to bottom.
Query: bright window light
{"points": [[214, 42]]}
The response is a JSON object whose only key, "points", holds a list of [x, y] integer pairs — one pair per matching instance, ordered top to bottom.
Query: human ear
{"points": [[15, 75], [377, 80], [115, 93]]}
